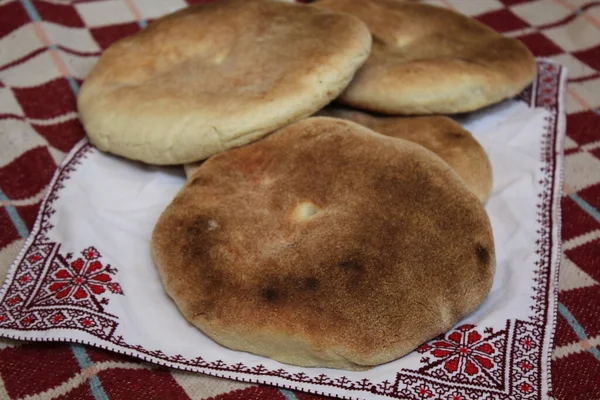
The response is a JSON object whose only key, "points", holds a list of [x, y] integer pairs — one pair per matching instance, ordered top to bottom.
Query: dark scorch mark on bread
{"points": [[457, 134], [483, 255], [351, 265], [311, 283], [286, 286], [270, 294]]}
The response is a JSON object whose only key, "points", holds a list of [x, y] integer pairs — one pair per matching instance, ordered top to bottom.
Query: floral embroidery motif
{"points": [[85, 277], [57, 291], [29, 304], [463, 351], [469, 354], [525, 366], [424, 392], [455, 396]]}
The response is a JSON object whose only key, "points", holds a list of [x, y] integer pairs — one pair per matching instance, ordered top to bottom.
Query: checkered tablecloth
{"points": [[45, 45]]}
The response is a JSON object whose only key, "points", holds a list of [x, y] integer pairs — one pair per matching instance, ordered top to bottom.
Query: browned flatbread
{"points": [[431, 60], [219, 75], [439, 134], [325, 244]]}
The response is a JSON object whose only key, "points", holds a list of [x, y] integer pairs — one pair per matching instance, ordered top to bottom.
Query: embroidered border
{"points": [[520, 344]]}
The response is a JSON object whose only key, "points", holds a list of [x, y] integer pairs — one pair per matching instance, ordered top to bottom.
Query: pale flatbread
{"points": [[431, 60], [216, 76], [325, 244]]}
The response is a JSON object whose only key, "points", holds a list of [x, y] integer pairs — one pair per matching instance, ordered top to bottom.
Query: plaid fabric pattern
{"points": [[55, 43]]}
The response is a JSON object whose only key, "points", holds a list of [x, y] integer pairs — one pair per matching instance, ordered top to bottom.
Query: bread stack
{"points": [[338, 236]]}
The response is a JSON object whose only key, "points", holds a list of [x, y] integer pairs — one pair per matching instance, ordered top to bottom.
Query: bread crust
{"points": [[432, 60], [216, 76], [439, 134], [325, 244]]}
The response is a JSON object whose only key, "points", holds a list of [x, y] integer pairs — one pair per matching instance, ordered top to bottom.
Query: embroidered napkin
{"points": [[86, 273]]}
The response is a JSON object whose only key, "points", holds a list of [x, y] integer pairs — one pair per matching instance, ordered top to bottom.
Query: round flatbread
{"points": [[431, 60], [216, 76], [442, 135], [190, 168], [325, 244]]}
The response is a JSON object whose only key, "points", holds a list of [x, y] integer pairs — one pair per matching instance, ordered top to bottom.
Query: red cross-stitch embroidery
{"points": [[84, 277], [51, 290], [463, 351]]}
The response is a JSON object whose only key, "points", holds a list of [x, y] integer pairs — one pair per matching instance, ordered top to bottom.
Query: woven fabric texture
{"points": [[44, 44]]}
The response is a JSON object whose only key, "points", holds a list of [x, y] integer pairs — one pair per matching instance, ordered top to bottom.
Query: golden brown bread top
{"points": [[427, 60], [218, 75], [439, 134], [325, 244]]}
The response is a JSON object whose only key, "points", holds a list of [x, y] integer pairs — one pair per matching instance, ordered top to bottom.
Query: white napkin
{"points": [[86, 274]]}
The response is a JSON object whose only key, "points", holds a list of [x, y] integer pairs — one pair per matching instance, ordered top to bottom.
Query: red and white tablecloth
{"points": [[43, 45]]}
